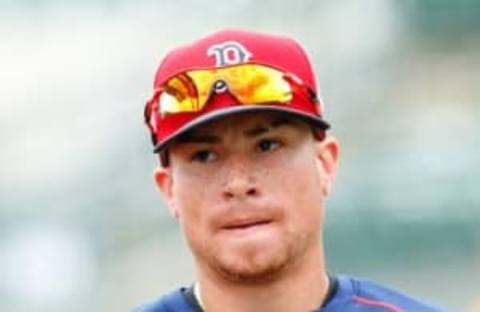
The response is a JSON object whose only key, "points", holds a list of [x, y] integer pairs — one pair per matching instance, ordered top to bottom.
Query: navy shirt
{"points": [[350, 295]]}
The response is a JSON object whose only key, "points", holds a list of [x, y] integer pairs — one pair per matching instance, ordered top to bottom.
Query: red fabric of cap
{"points": [[227, 48], [278, 52]]}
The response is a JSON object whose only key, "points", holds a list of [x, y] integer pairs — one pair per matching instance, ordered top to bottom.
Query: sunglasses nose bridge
{"points": [[220, 86]]}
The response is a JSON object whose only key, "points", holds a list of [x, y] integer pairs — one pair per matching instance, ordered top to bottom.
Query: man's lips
{"points": [[245, 224]]}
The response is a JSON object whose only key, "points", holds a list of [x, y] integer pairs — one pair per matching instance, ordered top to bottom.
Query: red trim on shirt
{"points": [[376, 303]]}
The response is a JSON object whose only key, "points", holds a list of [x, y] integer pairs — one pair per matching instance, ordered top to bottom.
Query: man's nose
{"points": [[240, 181]]}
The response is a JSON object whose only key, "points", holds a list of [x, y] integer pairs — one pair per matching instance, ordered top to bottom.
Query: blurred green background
{"points": [[82, 227]]}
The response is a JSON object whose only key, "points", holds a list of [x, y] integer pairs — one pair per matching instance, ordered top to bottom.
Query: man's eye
{"points": [[268, 145], [204, 156]]}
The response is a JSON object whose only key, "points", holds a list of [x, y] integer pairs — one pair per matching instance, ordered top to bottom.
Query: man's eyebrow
{"points": [[261, 129]]}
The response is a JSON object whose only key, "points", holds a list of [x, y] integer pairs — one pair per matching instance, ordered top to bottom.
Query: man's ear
{"points": [[327, 155], [164, 181]]}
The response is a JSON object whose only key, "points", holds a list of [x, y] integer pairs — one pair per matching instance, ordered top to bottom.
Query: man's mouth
{"points": [[246, 224], [247, 227]]}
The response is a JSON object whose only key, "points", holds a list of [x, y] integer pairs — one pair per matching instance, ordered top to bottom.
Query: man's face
{"points": [[248, 191]]}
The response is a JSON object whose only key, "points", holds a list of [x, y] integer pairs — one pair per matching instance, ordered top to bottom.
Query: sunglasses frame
{"points": [[298, 88]]}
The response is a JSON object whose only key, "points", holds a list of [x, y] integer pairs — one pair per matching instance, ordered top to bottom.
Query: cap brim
{"points": [[313, 120]]}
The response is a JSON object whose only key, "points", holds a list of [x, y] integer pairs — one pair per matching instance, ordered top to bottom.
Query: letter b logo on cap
{"points": [[229, 53]]}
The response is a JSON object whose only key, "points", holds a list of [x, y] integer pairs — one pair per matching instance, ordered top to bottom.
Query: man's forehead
{"points": [[247, 124]]}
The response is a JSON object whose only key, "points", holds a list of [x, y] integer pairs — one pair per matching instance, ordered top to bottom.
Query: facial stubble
{"points": [[250, 266]]}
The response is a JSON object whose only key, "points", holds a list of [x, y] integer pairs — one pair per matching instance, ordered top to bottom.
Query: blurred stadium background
{"points": [[82, 227]]}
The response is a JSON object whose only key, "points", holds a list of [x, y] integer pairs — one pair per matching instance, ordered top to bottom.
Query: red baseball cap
{"points": [[227, 48]]}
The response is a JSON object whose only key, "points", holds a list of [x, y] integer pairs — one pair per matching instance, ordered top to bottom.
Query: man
{"points": [[245, 167]]}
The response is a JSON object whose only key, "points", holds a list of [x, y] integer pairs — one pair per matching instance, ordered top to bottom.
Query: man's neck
{"points": [[303, 287]]}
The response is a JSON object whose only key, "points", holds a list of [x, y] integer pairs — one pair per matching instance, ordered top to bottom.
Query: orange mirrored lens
{"points": [[250, 84], [178, 95]]}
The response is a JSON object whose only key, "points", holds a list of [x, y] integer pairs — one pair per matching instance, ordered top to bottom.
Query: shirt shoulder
{"points": [[360, 295], [170, 302]]}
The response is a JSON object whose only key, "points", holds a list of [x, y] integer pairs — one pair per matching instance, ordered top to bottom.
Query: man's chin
{"points": [[256, 261], [248, 270], [265, 274]]}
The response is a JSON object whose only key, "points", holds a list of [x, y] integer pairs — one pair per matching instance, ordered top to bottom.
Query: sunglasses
{"points": [[249, 84]]}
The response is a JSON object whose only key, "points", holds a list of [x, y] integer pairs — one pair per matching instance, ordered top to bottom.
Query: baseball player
{"points": [[245, 166]]}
